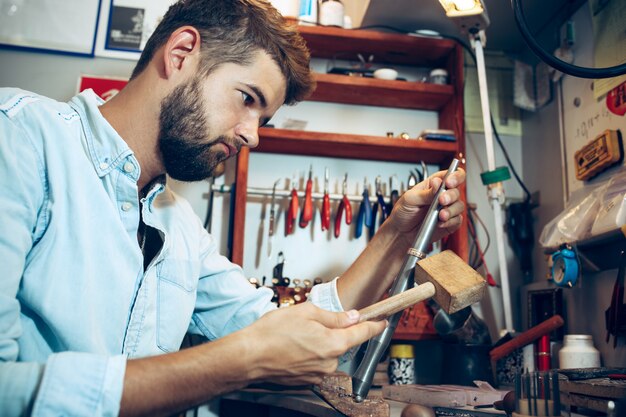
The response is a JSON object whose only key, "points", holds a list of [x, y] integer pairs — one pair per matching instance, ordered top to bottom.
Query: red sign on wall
{"points": [[105, 87]]}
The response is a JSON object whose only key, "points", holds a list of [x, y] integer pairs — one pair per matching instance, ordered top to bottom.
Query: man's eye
{"points": [[247, 98]]}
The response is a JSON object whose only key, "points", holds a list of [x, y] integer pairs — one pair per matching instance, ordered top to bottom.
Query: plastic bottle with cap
{"points": [[331, 13]]}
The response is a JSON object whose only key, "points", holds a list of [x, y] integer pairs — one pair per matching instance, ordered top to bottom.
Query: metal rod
{"points": [[225, 189], [496, 192], [362, 378]]}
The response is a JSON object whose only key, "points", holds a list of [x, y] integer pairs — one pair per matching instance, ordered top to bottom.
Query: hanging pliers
{"points": [[394, 194], [325, 204], [344, 204], [379, 204], [307, 208], [292, 212], [365, 212]]}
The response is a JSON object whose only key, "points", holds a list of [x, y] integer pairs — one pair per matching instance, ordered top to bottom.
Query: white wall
{"points": [[584, 304]]}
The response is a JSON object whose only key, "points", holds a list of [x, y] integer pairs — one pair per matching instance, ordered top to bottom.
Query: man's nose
{"points": [[248, 132]]}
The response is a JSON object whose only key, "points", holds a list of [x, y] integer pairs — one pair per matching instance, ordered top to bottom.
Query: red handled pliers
{"points": [[326, 204], [344, 204], [307, 208], [292, 212]]}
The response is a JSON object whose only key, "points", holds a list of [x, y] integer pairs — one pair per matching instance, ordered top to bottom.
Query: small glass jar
{"points": [[578, 352]]}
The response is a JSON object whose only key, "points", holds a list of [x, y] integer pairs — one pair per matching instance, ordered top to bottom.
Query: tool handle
{"points": [[394, 197], [348, 207], [383, 207], [368, 208], [307, 209], [292, 212], [326, 212], [338, 217], [360, 218], [272, 219], [372, 225], [399, 302], [526, 337]]}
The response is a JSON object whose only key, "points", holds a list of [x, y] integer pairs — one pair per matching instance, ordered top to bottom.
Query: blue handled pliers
{"points": [[379, 204], [365, 212]]}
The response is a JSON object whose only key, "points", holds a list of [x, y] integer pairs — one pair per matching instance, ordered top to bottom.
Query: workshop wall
{"points": [[582, 121]]}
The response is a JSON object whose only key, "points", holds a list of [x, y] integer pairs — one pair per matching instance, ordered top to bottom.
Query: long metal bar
{"points": [[225, 189], [496, 193], [362, 378]]}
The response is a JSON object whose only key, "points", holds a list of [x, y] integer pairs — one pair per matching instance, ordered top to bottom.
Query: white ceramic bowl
{"points": [[386, 74]]}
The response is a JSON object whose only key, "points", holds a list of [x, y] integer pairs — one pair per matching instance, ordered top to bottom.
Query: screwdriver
{"points": [[326, 203], [307, 209]]}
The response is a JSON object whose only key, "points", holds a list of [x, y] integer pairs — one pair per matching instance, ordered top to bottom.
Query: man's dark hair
{"points": [[232, 31]]}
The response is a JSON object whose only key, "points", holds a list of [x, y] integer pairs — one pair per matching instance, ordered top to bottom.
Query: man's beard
{"points": [[186, 153]]}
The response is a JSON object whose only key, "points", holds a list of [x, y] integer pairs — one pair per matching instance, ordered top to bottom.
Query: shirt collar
{"points": [[106, 147]]}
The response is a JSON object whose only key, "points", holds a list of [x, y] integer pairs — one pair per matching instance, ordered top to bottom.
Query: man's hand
{"points": [[410, 210], [300, 344]]}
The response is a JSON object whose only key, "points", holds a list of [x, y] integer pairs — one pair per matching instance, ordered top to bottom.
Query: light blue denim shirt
{"points": [[75, 303]]}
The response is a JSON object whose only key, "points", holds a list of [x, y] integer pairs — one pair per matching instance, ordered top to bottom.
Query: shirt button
{"points": [[104, 165], [129, 167], [127, 206]]}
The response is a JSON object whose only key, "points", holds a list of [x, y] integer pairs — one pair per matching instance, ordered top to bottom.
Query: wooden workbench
{"points": [[264, 403]]}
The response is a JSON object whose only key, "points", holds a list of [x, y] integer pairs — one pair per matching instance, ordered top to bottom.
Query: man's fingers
{"points": [[453, 210], [337, 320], [359, 333]]}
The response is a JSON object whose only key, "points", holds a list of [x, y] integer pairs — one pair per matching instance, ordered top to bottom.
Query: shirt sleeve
{"points": [[325, 296], [226, 301], [71, 383]]}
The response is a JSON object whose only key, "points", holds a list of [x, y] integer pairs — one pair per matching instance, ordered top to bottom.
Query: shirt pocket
{"points": [[176, 298]]}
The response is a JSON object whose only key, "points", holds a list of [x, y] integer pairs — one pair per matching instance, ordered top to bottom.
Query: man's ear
{"points": [[180, 49]]}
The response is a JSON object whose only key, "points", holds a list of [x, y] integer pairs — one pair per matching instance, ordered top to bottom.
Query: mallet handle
{"points": [[388, 306]]}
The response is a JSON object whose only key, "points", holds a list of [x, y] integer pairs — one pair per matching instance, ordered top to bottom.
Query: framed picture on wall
{"points": [[126, 25], [67, 26]]}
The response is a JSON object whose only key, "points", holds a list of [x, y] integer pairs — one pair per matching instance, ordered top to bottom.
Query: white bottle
{"points": [[331, 13], [578, 352]]}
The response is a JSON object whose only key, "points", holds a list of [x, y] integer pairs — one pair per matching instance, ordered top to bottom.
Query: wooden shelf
{"points": [[330, 42], [391, 49], [385, 93], [336, 145], [598, 253]]}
